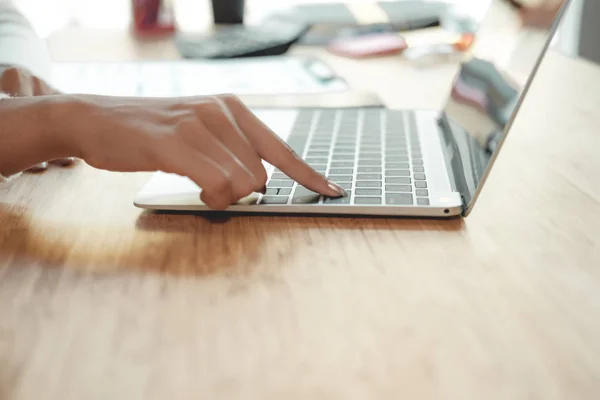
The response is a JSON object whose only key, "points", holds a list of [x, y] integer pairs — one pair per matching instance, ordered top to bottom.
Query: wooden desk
{"points": [[99, 300]]}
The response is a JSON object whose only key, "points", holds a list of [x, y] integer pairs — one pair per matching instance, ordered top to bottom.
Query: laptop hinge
{"points": [[458, 158]]}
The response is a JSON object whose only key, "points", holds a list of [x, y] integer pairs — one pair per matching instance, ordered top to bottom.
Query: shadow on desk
{"points": [[191, 245]]}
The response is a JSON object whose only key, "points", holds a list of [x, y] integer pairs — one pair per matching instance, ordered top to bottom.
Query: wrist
{"points": [[34, 130]]}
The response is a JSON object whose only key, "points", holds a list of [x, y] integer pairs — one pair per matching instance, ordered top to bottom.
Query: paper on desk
{"points": [[250, 76]]}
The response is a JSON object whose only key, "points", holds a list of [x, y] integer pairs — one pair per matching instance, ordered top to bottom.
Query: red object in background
{"points": [[152, 17]]}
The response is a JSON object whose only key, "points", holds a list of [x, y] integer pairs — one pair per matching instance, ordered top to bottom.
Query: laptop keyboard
{"points": [[374, 154]]}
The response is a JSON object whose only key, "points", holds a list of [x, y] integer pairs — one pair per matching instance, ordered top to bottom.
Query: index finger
{"points": [[274, 150]]}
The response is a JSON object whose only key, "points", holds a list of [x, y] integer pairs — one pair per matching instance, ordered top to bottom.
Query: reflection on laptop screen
{"points": [[490, 85]]}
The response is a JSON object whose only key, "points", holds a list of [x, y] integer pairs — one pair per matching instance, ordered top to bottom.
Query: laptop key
{"points": [[371, 140], [317, 141], [346, 141], [297, 142], [396, 142], [370, 147], [343, 150], [394, 152], [312, 153], [369, 155], [342, 157], [395, 159], [312, 160], [369, 162], [417, 162], [342, 164], [396, 165], [416, 168], [369, 169], [341, 171], [399, 172], [279, 175], [368, 177], [419, 177], [340, 178], [398, 180], [280, 183], [368, 184], [421, 184], [345, 185], [398, 188], [284, 191], [272, 192], [368, 192], [422, 192], [303, 195], [399, 199], [274, 200], [338, 200], [367, 200], [422, 201]]}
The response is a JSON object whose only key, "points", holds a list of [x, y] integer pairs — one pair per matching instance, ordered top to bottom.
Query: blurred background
{"points": [[49, 15], [578, 36]]}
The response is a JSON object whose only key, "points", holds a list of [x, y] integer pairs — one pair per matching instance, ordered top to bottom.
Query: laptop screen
{"points": [[491, 83]]}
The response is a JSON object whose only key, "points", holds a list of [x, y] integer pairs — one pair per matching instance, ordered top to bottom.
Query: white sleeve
{"points": [[19, 43], [20, 46], [4, 179]]}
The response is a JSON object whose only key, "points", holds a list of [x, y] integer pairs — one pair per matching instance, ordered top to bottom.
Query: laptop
{"points": [[394, 162]]}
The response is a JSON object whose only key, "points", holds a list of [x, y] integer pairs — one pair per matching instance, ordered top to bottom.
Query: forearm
{"points": [[19, 44], [32, 131]]}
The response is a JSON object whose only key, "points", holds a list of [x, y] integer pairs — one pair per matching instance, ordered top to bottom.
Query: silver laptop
{"points": [[399, 162]]}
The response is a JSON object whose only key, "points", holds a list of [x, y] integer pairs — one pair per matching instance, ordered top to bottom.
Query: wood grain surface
{"points": [[99, 300]]}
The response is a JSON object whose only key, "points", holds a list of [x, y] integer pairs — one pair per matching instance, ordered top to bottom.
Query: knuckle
{"points": [[12, 73], [14, 81], [230, 99], [180, 107], [213, 113], [183, 117], [189, 126], [261, 176], [220, 183], [243, 183], [243, 189], [217, 202]]}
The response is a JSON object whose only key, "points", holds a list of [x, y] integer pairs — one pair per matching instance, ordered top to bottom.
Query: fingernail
{"points": [[65, 161], [39, 167], [263, 190], [341, 192]]}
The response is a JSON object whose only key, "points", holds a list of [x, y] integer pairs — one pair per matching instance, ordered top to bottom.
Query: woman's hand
{"points": [[17, 82], [214, 140]]}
